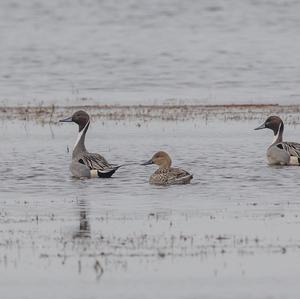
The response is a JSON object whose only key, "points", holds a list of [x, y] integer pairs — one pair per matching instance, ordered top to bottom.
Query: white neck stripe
{"points": [[80, 135], [277, 135]]}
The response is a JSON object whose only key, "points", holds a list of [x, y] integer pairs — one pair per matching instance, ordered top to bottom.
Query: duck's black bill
{"points": [[66, 120], [263, 126], [147, 163]]}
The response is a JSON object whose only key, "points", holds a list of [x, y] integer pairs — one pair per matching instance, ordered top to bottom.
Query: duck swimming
{"points": [[279, 152], [85, 164], [165, 174]]}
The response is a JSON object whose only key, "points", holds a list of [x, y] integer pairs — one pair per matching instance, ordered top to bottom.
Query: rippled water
{"points": [[138, 51], [230, 232]]}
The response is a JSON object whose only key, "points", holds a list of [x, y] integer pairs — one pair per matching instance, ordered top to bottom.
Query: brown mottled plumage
{"points": [[165, 174]]}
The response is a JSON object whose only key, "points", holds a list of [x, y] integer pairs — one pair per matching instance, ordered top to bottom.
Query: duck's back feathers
{"points": [[292, 148], [284, 153], [94, 161], [170, 176]]}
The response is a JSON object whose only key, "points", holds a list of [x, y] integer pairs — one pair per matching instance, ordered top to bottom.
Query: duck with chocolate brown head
{"points": [[81, 118], [279, 152], [85, 164], [165, 174]]}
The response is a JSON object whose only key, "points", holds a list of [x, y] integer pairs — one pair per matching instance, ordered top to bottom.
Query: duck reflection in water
{"points": [[84, 230]]}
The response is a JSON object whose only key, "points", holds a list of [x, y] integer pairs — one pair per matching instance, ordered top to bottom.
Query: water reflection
{"points": [[84, 230]]}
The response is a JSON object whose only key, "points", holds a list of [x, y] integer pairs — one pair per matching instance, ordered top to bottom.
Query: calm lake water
{"points": [[139, 51], [232, 233]]}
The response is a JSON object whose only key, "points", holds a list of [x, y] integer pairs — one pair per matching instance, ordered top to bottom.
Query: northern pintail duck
{"points": [[279, 152], [85, 164], [165, 174]]}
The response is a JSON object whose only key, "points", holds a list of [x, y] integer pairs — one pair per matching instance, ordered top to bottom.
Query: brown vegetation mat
{"points": [[51, 114]]}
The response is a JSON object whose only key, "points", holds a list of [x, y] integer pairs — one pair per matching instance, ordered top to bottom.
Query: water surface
{"points": [[139, 51], [234, 227]]}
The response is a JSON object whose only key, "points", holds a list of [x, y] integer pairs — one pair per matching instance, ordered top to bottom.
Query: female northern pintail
{"points": [[279, 152], [85, 164], [165, 174]]}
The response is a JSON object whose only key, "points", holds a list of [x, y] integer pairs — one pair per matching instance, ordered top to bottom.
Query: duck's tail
{"points": [[116, 167], [108, 172], [185, 179]]}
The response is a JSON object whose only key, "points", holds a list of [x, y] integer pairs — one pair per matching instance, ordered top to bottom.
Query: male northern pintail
{"points": [[279, 152], [85, 164], [165, 174]]}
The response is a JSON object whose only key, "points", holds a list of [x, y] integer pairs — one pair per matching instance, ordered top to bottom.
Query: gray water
{"points": [[138, 51], [232, 233]]}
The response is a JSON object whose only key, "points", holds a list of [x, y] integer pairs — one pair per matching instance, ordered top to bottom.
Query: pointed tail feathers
{"points": [[121, 165], [108, 172]]}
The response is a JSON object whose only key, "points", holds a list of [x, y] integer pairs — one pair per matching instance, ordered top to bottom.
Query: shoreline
{"points": [[51, 114]]}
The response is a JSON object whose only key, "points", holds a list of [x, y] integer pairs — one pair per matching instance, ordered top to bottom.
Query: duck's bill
{"points": [[66, 120], [263, 126], [147, 163]]}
